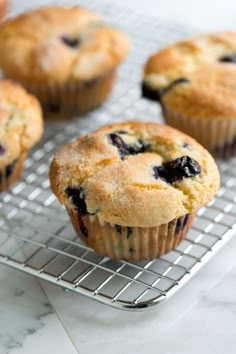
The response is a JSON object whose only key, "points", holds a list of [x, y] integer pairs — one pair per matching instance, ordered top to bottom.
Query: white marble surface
{"points": [[203, 311], [38, 318], [28, 321]]}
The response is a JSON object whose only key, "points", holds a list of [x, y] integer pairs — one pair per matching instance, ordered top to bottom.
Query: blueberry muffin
{"points": [[4, 4], [66, 56], [201, 73], [204, 107], [20, 129], [132, 189]]}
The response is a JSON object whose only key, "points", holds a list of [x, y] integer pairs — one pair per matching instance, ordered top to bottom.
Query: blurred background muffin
{"points": [[66, 56], [194, 81], [203, 106]]}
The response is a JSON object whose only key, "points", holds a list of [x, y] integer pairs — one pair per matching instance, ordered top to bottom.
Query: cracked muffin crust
{"points": [[71, 47], [180, 59], [194, 80], [209, 93], [21, 128], [136, 178]]}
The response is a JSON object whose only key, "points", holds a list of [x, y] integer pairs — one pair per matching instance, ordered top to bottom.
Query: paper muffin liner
{"points": [[3, 8], [73, 98], [217, 135], [12, 172], [130, 243]]}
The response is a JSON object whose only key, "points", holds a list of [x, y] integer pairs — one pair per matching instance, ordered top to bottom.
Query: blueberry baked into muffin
{"points": [[66, 56], [194, 81], [20, 129], [132, 189]]}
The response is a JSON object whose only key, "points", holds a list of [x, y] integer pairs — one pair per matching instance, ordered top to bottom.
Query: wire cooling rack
{"points": [[36, 236]]}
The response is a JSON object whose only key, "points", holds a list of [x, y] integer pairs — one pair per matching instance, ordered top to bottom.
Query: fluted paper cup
{"points": [[73, 98], [217, 135], [130, 243]]}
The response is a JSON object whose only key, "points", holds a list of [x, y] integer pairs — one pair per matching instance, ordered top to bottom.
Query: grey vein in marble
{"points": [[28, 322]]}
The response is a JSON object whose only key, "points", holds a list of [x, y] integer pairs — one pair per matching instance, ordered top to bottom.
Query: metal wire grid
{"points": [[36, 235]]}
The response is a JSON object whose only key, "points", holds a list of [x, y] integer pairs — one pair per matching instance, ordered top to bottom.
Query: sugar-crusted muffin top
{"points": [[60, 44], [180, 59], [208, 93], [21, 124], [134, 174]]}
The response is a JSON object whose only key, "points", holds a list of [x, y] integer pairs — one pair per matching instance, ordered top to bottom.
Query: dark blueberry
{"points": [[72, 42], [229, 58], [181, 80], [150, 93], [156, 95], [117, 141], [125, 149], [2, 150], [9, 169], [176, 170], [78, 198], [186, 218], [179, 225], [83, 228], [118, 228], [129, 231]]}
